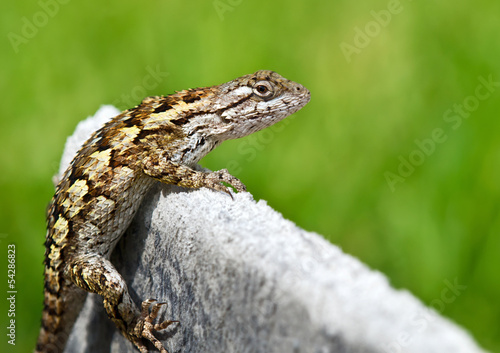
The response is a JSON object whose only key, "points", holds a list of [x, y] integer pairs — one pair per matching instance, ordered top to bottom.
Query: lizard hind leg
{"points": [[96, 274]]}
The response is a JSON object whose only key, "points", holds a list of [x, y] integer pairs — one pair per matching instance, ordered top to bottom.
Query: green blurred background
{"points": [[382, 75]]}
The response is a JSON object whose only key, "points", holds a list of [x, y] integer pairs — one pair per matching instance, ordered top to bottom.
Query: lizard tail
{"points": [[63, 301]]}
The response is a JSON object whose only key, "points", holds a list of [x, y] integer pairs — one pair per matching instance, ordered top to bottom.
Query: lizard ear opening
{"points": [[264, 90]]}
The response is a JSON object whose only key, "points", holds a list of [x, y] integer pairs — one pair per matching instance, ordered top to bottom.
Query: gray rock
{"points": [[241, 278]]}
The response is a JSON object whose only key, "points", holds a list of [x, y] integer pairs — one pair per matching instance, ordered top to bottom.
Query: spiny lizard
{"points": [[161, 139]]}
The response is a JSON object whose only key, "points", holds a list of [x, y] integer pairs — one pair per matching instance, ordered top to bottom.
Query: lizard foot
{"points": [[213, 180], [145, 326]]}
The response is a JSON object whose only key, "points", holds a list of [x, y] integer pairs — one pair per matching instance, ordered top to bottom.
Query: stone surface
{"points": [[241, 278]]}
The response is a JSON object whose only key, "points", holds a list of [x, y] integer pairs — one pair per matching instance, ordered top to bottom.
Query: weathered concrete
{"points": [[240, 278]]}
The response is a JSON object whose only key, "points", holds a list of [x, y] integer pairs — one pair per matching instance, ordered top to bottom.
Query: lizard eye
{"points": [[263, 89]]}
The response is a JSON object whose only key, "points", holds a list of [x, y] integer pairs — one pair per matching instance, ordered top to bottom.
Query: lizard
{"points": [[161, 139]]}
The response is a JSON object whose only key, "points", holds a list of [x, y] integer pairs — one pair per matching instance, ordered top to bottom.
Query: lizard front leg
{"points": [[163, 169], [96, 274]]}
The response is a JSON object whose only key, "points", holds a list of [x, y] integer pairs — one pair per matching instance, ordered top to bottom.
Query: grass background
{"points": [[324, 169]]}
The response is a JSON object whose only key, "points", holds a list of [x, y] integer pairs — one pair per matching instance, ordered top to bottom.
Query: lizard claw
{"points": [[215, 179], [145, 326]]}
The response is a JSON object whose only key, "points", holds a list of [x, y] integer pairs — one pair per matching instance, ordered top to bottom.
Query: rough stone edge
{"points": [[240, 278]]}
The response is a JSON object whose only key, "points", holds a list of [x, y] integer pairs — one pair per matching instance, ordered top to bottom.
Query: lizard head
{"points": [[253, 102]]}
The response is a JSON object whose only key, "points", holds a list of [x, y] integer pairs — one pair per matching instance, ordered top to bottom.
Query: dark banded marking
{"points": [[186, 118], [181, 121], [163, 130], [52, 290], [51, 310]]}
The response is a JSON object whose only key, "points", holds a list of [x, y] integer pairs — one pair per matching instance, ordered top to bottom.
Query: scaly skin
{"points": [[160, 139]]}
